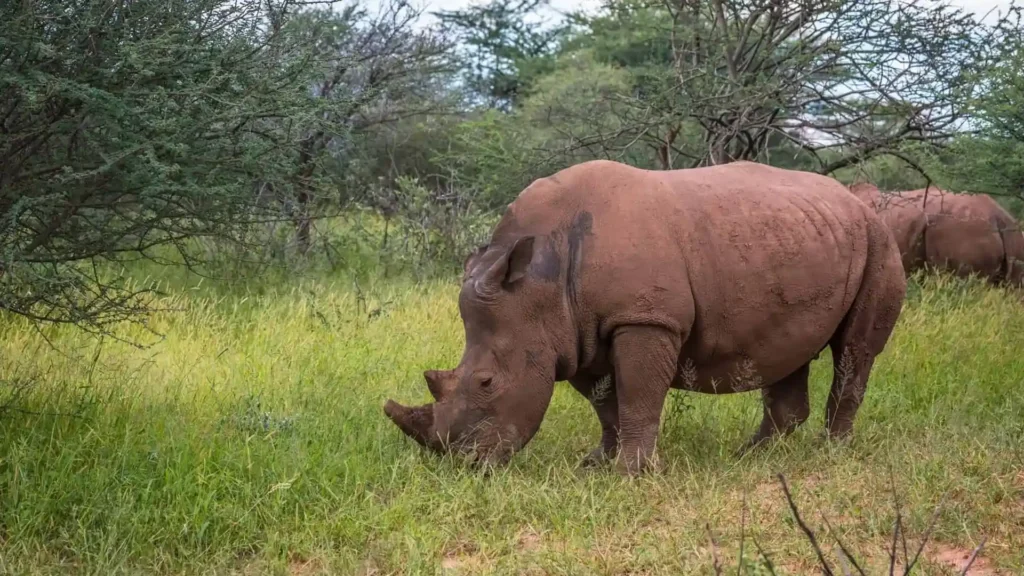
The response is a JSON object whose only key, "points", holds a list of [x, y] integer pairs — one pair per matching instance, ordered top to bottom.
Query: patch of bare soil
{"points": [[528, 540], [462, 557], [957, 558], [301, 566], [369, 568]]}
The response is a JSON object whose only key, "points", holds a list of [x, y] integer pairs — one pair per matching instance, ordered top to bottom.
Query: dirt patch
{"points": [[528, 540], [462, 557], [957, 558], [451, 563], [462, 564], [299, 565], [369, 568]]}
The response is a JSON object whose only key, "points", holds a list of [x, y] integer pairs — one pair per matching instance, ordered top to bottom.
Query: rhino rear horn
{"points": [[440, 383], [417, 422]]}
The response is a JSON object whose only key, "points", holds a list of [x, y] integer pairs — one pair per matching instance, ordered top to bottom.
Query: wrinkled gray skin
{"points": [[717, 280]]}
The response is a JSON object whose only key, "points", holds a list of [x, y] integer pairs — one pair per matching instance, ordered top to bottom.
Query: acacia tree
{"points": [[501, 50], [371, 70], [840, 80], [131, 126], [990, 158]]}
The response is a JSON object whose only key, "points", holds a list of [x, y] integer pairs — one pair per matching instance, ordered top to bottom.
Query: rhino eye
{"points": [[486, 382]]}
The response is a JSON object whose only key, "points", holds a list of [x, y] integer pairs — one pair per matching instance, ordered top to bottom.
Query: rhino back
{"points": [[903, 213], [964, 232], [963, 237], [776, 259], [758, 265]]}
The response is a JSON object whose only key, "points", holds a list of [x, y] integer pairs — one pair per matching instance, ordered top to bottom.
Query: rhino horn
{"points": [[440, 383], [417, 422]]}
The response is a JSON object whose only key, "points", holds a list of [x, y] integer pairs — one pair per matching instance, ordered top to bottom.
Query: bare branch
{"points": [[825, 568]]}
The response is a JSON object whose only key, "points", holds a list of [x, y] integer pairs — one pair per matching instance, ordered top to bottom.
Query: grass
{"points": [[251, 440]]}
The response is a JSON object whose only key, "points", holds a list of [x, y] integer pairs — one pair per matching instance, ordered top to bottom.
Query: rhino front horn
{"points": [[416, 422]]}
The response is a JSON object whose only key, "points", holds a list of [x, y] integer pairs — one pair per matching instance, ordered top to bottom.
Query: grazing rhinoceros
{"points": [[960, 233], [722, 279]]}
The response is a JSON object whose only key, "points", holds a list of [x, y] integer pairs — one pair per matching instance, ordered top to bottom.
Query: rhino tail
{"points": [[1013, 252]]}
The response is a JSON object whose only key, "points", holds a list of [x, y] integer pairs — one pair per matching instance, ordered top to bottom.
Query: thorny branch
{"points": [[854, 78], [897, 535]]}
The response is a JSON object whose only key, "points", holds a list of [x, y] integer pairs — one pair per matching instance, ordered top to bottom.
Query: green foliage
{"points": [[627, 33], [503, 51], [843, 81], [383, 86], [576, 113], [128, 126], [493, 157], [991, 160], [887, 172], [435, 230]]}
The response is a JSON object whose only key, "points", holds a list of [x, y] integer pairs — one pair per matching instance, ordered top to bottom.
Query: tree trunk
{"points": [[665, 150], [303, 194]]}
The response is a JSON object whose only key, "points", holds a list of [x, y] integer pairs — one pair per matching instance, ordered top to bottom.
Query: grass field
{"points": [[251, 440]]}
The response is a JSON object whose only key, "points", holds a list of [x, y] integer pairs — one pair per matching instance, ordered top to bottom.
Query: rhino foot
{"points": [[841, 438], [758, 442], [747, 447], [597, 457], [638, 466]]}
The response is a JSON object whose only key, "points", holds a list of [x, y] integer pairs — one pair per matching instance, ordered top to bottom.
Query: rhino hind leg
{"points": [[860, 338], [853, 355], [852, 366], [600, 392], [786, 407]]}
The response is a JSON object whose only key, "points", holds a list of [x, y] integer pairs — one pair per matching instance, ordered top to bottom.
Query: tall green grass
{"points": [[250, 439]]}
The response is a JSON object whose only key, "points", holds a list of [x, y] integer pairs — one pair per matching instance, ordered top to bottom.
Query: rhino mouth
{"points": [[450, 426], [482, 445]]}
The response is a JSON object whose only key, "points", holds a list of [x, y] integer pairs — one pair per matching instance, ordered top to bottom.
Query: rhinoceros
{"points": [[963, 234], [628, 282]]}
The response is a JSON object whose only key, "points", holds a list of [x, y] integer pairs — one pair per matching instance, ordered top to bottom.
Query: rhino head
{"points": [[517, 328]]}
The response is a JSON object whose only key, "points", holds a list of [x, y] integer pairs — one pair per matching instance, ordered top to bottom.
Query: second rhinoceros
{"points": [[965, 234], [721, 279]]}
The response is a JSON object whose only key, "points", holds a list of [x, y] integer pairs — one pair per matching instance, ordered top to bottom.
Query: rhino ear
{"points": [[512, 265]]}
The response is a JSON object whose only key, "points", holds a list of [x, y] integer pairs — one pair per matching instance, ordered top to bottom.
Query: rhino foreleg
{"points": [[645, 360], [600, 392]]}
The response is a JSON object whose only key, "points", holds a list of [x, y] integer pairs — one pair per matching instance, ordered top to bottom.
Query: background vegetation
{"points": [[224, 224]]}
